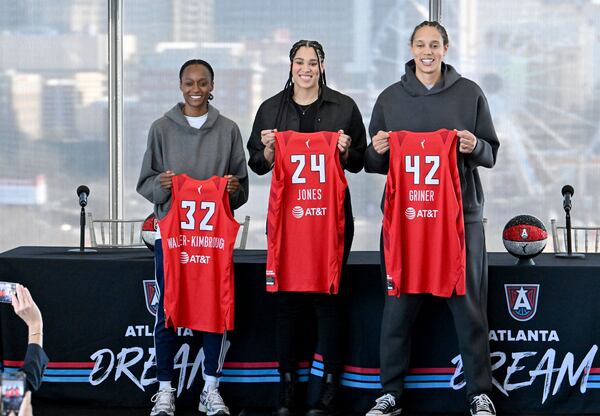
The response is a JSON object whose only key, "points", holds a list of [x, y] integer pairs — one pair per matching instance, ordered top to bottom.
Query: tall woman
{"points": [[430, 96], [307, 105], [192, 138]]}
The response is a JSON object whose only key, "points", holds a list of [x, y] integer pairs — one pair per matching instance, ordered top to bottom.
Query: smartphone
{"points": [[7, 289], [12, 392]]}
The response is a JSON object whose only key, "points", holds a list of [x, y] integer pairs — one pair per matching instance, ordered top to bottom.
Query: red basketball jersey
{"points": [[305, 223], [423, 229], [198, 234]]}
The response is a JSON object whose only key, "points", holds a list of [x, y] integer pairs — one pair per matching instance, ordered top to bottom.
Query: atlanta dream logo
{"points": [[151, 292], [522, 300]]}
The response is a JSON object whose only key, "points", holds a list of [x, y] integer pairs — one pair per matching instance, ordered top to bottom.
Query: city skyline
{"points": [[54, 121]]}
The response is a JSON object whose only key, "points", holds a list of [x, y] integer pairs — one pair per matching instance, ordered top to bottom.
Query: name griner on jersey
{"points": [[196, 241]]}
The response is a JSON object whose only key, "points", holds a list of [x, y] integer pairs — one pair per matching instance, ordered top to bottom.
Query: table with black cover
{"points": [[98, 323]]}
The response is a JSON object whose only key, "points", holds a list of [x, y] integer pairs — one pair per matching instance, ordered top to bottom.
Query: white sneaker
{"points": [[164, 403], [212, 404], [386, 405], [481, 405]]}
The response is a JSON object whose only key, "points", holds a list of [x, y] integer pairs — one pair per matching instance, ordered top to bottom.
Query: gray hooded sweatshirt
{"points": [[454, 102], [216, 149]]}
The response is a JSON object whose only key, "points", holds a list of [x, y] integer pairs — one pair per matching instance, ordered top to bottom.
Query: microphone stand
{"points": [[82, 249], [569, 254]]}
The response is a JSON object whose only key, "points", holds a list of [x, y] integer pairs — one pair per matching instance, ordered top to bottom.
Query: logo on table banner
{"points": [[151, 292], [522, 300], [136, 363], [522, 369]]}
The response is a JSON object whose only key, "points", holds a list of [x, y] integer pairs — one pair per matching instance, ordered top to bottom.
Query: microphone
{"points": [[83, 192], [567, 192]]}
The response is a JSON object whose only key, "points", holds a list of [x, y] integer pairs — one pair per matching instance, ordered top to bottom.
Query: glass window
{"points": [[247, 43], [536, 61], [53, 118]]}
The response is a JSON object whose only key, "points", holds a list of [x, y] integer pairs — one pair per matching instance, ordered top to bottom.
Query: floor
{"points": [[54, 410]]}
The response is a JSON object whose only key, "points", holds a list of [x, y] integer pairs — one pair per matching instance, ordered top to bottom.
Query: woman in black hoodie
{"points": [[430, 96]]}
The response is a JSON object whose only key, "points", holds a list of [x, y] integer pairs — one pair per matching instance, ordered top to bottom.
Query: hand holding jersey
{"points": [[267, 138], [467, 141], [381, 142], [166, 179], [233, 183]]}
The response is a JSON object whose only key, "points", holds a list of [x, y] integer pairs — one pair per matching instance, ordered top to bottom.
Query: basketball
{"points": [[149, 231], [524, 236]]}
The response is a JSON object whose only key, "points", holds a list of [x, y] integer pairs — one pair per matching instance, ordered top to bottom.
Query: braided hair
{"points": [[288, 89]]}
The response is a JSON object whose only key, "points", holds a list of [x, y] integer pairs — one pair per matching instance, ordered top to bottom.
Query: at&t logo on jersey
{"points": [[299, 212], [412, 213], [185, 258], [522, 300]]}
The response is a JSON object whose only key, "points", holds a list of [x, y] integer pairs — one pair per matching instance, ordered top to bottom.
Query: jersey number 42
{"points": [[414, 167]]}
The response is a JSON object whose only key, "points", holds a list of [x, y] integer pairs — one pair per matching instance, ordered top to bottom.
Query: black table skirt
{"points": [[98, 334]]}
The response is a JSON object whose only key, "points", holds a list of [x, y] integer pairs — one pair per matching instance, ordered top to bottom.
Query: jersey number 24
{"points": [[317, 164]]}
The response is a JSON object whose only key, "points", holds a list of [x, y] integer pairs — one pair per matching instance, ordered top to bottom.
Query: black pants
{"points": [[329, 310], [470, 319]]}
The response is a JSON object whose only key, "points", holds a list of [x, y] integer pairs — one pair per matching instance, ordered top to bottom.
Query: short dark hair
{"points": [[434, 24], [197, 62]]}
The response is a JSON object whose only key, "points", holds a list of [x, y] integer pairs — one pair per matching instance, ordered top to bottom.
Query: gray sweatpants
{"points": [[470, 319]]}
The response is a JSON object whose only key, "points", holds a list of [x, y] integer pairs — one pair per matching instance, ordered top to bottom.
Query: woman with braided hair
{"points": [[307, 104]]}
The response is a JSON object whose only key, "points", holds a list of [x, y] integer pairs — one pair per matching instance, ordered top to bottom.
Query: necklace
{"points": [[304, 108]]}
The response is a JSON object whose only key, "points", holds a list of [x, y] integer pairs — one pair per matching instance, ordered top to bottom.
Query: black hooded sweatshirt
{"points": [[454, 102]]}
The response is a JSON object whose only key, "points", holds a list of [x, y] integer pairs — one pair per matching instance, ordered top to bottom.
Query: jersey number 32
{"points": [[207, 210]]}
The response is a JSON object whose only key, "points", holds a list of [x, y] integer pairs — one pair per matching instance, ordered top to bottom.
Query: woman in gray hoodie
{"points": [[430, 96], [194, 139]]}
